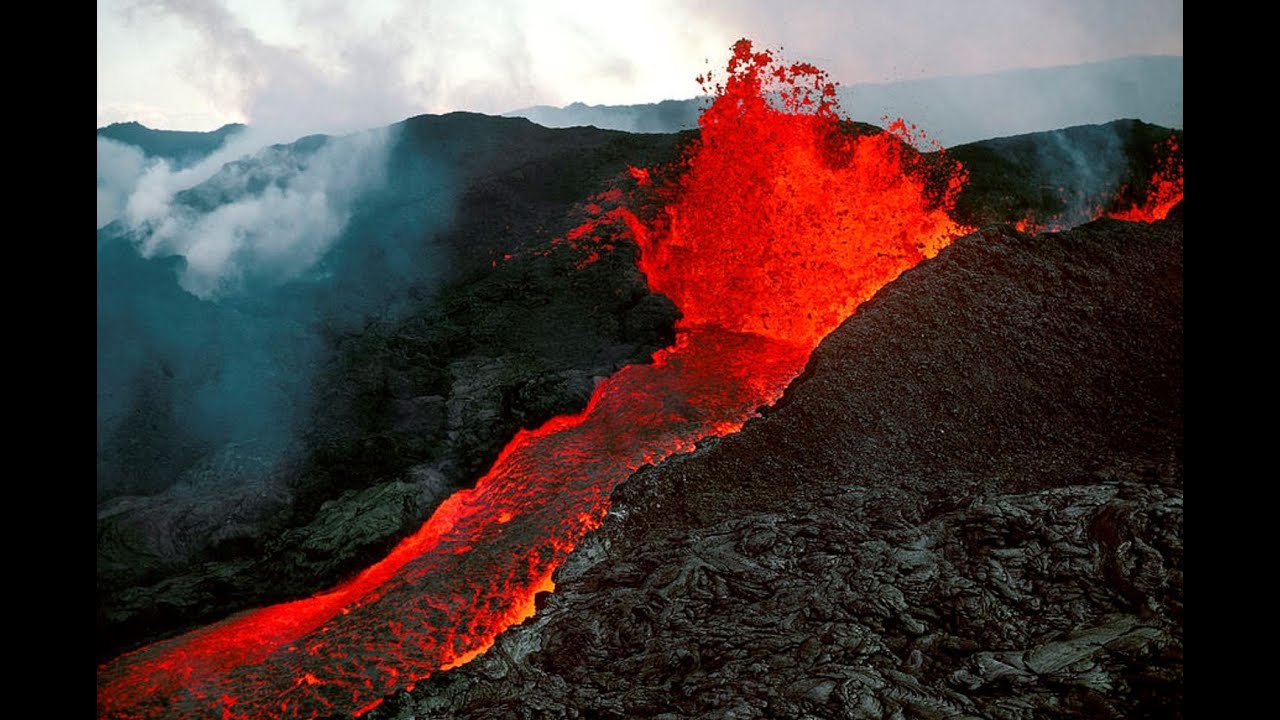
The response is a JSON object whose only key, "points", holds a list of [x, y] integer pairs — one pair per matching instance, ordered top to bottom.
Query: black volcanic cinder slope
{"points": [[970, 506]]}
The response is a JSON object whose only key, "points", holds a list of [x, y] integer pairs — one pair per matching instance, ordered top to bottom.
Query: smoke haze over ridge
{"points": [[951, 110]]}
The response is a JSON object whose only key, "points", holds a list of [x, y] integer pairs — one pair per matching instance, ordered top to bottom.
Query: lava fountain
{"points": [[778, 222]]}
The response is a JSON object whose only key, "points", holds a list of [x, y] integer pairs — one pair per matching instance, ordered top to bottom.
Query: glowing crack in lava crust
{"points": [[783, 219]]}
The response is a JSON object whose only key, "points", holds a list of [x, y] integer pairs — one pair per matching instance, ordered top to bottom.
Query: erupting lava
{"points": [[783, 220]]}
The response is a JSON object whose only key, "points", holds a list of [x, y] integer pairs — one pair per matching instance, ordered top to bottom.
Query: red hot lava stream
{"points": [[783, 221]]}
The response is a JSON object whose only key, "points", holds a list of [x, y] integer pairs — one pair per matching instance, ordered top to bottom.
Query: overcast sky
{"points": [[330, 65]]}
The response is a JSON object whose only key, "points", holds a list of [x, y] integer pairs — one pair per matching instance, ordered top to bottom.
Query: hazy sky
{"points": [[330, 65]]}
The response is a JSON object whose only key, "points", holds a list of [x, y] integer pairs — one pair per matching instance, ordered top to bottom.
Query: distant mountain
{"points": [[966, 109], [952, 110], [663, 117], [181, 148]]}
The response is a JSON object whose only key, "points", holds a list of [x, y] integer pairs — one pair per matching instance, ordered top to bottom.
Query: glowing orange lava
{"points": [[1163, 192], [785, 222], [781, 223]]}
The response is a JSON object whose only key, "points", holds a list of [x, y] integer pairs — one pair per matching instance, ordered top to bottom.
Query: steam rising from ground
{"points": [[301, 204], [218, 285]]}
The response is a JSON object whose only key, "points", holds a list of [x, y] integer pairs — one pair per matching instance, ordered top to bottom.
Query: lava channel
{"points": [[780, 220]]}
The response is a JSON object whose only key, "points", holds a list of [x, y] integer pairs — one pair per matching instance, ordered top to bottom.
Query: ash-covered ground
{"points": [[969, 506]]}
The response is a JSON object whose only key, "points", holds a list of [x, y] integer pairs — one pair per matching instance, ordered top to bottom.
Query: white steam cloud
{"points": [[120, 166], [136, 188], [264, 219]]}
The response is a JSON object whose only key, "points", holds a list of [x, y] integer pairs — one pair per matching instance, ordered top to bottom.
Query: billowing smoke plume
{"points": [[120, 166]]}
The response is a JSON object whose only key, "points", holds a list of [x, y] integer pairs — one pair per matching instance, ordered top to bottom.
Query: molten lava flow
{"points": [[1163, 192], [782, 222]]}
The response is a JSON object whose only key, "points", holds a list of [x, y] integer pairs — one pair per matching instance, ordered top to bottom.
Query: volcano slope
{"points": [[410, 405], [969, 506]]}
